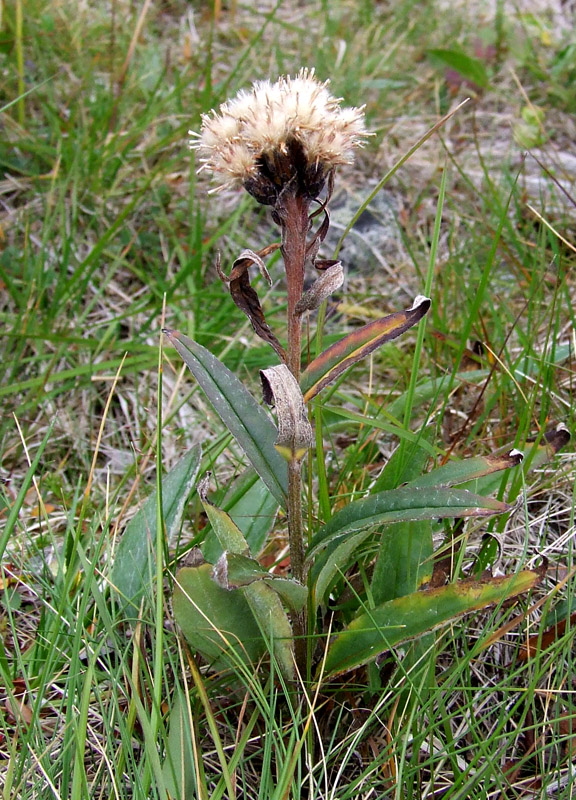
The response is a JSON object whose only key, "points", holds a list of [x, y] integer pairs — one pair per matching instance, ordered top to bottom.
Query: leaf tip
{"points": [[419, 301], [561, 435]]}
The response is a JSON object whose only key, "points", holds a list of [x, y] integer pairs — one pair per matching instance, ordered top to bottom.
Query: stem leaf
{"points": [[330, 364], [243, 416], [460, 471], [401, 504]]}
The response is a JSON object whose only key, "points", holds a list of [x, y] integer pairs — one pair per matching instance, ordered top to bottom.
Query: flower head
{"points": [[291, 133]]}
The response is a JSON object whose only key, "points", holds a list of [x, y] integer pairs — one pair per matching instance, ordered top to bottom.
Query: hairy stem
{"points": [[295, 226]]}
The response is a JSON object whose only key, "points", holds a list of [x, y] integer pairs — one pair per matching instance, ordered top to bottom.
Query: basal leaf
{"points": [[330, 364], [430, 389], [246, 420], [395, 429], [535, 455], [405, 464], [400, 504], [252, 506], [227, 532], [404, 560], [134, 561], [332, 562], [234, 570], [292, 593], [412, 615], [217, 623], [274, 624], [178, 770]]}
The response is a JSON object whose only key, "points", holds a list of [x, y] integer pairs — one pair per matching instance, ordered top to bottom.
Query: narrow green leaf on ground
{"points": [[330, 364], [246, 420], [404, 503], [134, 561], [412, 615], [178, 769]]}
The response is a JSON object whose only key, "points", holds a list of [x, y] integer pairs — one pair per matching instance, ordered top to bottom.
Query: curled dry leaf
{"points": [[313, 245], [331, 278], [246, 298], [281, 389], [557, 438], [540, 641]]}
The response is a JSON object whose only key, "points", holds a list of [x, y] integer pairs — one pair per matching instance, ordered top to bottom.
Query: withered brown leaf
{"points": [[246, 297]]}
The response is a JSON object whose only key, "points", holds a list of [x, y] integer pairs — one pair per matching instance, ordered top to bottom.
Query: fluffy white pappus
{"points": [[262, 120]]}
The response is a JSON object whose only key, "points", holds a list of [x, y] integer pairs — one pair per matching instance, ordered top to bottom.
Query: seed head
{"points": [[291, 133]]}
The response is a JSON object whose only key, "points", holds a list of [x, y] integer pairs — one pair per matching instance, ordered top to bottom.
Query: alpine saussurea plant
{"points": [[283, 143]]}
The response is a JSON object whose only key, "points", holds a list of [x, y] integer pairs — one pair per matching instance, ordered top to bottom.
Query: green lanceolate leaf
{"points": [[330, 364], [428, 390], [246, 420], [396, 429], [535, 455], [405, 464], [460, 471], [404, 503], [252, 507], [229, 535], [134, 563], [332, 563], [234, 570], [412, 615], [217, 623], [274, 624], [178, 770]]}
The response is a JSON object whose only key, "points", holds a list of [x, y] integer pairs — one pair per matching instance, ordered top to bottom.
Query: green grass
{"points": [[106, 230]]}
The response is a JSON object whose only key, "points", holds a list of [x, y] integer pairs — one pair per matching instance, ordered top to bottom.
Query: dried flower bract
{"points": [[287, 135]]}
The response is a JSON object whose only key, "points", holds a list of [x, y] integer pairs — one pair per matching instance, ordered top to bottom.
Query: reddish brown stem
{"points": [[295, 226]]}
